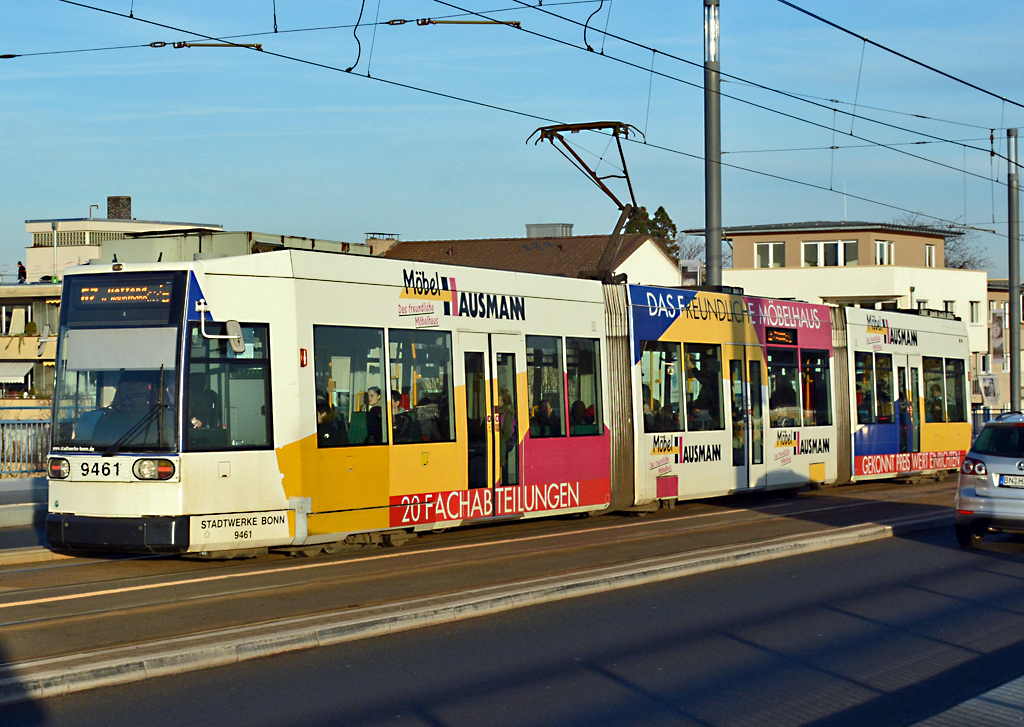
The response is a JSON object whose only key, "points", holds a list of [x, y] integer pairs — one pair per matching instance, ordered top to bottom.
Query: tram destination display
{"points": [[107, 299]]}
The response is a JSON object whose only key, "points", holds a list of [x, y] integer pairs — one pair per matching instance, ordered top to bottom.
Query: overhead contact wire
{"points": [[897, 53], [724, 75], [736, 98], [483, 104]]}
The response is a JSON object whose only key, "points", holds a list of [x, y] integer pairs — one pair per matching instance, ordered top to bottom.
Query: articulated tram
{"points": [[306, 401]]}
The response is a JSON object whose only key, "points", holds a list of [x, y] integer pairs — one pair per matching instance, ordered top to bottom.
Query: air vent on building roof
{"points": [[554, 229]]}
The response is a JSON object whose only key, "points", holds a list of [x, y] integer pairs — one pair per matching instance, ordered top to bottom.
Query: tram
{"points": [[305, 401], [904, 404]]}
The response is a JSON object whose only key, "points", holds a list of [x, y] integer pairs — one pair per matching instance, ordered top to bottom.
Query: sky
{"points": [[279, 144]]}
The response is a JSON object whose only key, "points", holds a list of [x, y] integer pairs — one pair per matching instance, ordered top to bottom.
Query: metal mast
{"points": [[712, 147], [1013, 242]]}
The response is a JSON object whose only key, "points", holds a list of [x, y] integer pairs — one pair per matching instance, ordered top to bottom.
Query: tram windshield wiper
{"points": [[137, 428]]}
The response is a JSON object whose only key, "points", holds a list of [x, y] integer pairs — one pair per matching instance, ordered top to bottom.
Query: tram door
{"points": [[746, 395], [492, 408], [908, 415]]}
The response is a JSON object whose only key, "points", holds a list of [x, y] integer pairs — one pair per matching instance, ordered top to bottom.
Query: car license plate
{"points": [[109, 469], [1011, 481]]}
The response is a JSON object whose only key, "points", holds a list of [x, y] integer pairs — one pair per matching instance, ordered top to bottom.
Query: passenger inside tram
{"points": [[545, 422], [330, 429]]}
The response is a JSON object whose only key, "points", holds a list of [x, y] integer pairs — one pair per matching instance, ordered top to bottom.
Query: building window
{"points": [[884, 252], [830, 253], [770, 255], [929, 256], [922, 304], [949, 306], [975, 311], [986, 363]]}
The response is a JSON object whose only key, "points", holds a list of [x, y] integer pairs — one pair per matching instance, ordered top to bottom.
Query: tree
{"points": [[660, 226], [679, 245], [689, 247], [962, 249]]}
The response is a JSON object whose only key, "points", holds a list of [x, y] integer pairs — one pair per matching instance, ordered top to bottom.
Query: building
{"points": [[62, 242], [200, 244], [642, 258], [865, 264], [27, 314]]}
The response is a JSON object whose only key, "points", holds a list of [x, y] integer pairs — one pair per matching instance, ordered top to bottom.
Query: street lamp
{"points": [[53, 226]]}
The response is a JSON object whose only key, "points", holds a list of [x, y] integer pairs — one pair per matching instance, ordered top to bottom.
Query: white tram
{"points": [[303, 400]]}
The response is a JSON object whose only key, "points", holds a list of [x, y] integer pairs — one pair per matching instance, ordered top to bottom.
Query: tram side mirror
{"points": [[234, 331]]}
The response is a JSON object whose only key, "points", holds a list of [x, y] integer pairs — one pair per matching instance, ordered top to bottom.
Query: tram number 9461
{"points": [[96, 469], [243, 534]]}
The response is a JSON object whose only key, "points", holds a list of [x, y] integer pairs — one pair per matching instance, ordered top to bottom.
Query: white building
{"points": [[63, 242], [870, 265]]}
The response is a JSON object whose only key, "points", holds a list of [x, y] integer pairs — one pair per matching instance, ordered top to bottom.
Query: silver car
{"points": [[990, 495]]}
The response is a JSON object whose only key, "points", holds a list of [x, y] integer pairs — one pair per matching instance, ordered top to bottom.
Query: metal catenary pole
{"points": [[712, 146], [1013, 242]]}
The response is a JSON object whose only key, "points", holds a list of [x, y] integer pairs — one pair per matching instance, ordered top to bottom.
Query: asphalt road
{"points": [[886, 633]]}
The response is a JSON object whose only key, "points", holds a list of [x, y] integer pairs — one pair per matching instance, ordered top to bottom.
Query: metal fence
{"points": [[981, 416], [24, 446]]}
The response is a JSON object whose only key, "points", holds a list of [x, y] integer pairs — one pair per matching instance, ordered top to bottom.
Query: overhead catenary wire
{"points": [[347, 26], [897, 53], [695, 64], [753, 104], [496, 107], [873, 108], [841, 146]]}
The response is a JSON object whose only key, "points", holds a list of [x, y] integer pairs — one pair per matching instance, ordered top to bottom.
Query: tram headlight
{"points": [[58, 468], [153, 469]]}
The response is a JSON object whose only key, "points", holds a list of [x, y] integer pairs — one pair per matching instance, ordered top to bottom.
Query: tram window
{"points": [[348, 366], [583, 368], [421, 369], [864, 378], [545, 383], [884, 386], [704, 387], [817, 388], [934, 388], [955, 389], [661, 391], [228, 394], [783, 396]]}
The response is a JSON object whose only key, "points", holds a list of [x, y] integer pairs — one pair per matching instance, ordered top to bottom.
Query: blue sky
{"points": [[256, 142]]}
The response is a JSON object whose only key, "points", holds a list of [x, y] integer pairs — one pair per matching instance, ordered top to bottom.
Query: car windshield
{"points": [[116, 386], [1001, 440]]}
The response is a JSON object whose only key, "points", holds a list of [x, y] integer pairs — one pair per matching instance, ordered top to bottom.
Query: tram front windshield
{"points": [[116, 385]]}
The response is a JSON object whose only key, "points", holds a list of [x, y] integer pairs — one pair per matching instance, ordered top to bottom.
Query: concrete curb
{"points": [[22, 514], [31, 554], [44, 678]]}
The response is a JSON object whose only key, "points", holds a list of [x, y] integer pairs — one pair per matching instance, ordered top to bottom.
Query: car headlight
{"points": [[58, 468], [153, 469]]}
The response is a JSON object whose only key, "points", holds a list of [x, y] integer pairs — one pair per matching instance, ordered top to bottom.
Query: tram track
{"points": [[525, 546]]}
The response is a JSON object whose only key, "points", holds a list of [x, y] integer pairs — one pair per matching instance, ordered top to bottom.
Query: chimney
{"points": [[119, 208]]}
